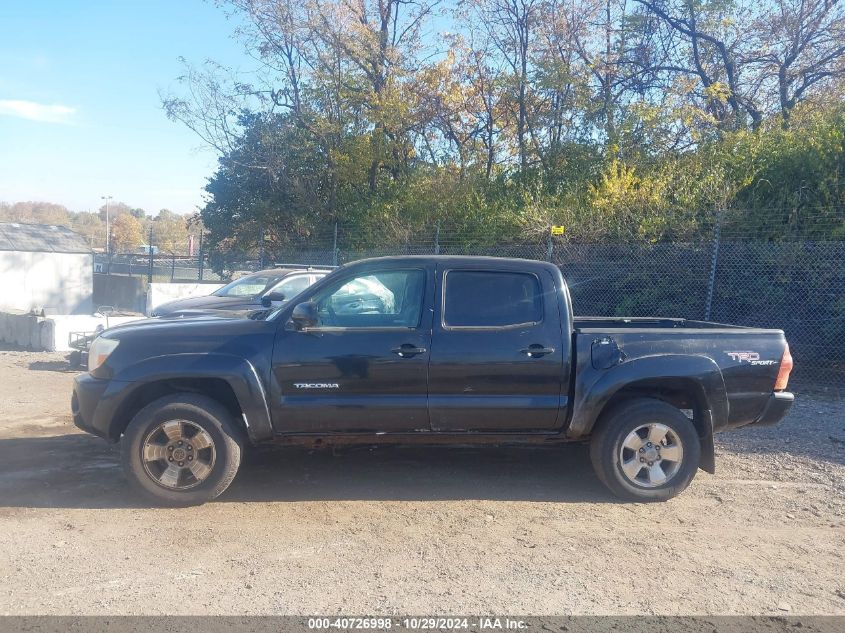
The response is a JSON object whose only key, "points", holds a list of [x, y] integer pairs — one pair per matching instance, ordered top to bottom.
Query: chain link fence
{"points": [[161, 267], [730, 276]]}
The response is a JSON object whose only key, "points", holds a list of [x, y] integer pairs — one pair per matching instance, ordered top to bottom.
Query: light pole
{"points": [[108, 200]]}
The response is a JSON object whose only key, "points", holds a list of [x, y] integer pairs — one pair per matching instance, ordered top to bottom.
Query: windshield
{"points": [[249, 286]]}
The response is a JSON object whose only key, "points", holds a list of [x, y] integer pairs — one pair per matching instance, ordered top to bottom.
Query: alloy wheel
{"points": [[178, 454], [651, 455]]}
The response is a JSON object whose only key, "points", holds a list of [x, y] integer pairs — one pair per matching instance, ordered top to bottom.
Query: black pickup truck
{"points": [[437, 350]]}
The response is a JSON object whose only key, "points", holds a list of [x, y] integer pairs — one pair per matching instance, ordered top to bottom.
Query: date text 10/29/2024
{"points": [[417, 624]]}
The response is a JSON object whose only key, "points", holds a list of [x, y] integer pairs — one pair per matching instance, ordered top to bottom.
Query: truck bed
{"points": [[748, 359]]}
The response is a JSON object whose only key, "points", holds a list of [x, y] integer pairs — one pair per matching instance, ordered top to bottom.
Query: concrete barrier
{"points": [[159, 293], [26, 330], [50, 334]]}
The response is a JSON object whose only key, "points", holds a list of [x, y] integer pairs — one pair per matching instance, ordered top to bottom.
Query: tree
{"points": [[511, 26], [708, 41], [800, 46], [336, 69], [604, 115], [288, 199], [117, 208], [35, 213], [91, 227], [170, 232], [127, 233]]}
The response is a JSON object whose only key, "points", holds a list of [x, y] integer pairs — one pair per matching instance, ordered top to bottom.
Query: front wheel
{"points": [[181, 450], [645, 450]]}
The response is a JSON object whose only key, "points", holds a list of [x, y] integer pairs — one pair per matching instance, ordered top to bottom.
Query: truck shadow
{"points": [[60, 366], [79, 471], [419, 473]]}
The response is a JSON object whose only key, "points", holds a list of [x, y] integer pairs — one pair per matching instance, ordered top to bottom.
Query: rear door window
{"points": [[491, 299]]}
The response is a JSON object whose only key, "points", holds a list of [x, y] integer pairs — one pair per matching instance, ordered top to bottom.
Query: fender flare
{"points": [[238, 373], [702, 373]]}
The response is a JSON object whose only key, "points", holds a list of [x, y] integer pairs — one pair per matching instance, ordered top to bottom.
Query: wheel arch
{"points": [[229, 380], [693, 383], [216, 389]]}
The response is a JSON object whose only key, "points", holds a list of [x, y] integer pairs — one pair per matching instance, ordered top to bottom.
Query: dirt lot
{"points": [[416, 531]]}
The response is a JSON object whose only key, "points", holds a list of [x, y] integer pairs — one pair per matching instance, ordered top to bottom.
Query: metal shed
{"points": [[45, 267]]}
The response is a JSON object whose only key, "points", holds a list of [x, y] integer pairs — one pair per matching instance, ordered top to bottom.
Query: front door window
{"points": [[380, 299]]}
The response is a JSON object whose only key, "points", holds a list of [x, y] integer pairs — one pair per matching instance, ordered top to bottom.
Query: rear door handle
{"points": [[407, 350], [536, 351]]}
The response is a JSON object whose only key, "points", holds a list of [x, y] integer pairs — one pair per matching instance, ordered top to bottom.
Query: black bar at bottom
{"points": [[457, 623]]}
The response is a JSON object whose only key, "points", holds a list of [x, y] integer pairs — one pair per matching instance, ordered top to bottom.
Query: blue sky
{"points": [[80, 114]]}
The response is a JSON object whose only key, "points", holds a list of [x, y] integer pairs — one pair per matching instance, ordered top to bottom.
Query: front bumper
{"points": [[87, 393], [778, 405]]}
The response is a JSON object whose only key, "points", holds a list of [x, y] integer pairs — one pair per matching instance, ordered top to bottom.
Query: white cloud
{"points": [[46, 113]]}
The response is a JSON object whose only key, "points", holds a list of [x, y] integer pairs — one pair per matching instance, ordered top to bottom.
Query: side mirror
{"points": [[268, 299], [304, 315]]}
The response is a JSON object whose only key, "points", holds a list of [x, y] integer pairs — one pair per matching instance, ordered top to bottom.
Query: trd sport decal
{"points": [[752, 358], [316, 385]]}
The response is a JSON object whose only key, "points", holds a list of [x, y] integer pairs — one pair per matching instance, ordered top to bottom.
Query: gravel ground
{"points": [[399, 530]]}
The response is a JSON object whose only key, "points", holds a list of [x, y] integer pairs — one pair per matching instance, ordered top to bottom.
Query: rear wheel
{"points": [[181, 450], [645, 450]]}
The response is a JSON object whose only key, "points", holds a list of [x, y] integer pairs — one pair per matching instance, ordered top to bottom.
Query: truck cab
{"points": [[427, 345]]}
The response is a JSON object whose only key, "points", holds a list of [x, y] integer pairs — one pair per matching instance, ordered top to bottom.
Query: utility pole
{"points": [[108, 240]]}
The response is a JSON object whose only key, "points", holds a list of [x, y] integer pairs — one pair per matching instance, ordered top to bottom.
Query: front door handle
{"points": [[407, 350], [536, 351]]}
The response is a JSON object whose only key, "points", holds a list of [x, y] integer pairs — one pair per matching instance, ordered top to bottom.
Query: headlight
{"points": [[99, 351]]}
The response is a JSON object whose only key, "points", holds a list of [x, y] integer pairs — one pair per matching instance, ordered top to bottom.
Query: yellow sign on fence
{"points": [[557, 230]]}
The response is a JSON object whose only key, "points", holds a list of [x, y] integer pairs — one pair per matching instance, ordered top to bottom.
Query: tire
{"points": [[74, 359], [167, 435], [630, 466]]}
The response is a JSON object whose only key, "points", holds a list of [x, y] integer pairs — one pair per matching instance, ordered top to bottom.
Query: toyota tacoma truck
{"points": [[433, 350]]}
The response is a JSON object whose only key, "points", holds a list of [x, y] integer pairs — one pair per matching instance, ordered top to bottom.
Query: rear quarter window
{"points": [[491, 299]]}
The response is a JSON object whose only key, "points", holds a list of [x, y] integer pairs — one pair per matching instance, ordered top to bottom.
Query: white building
{"points": [[45, 267]]}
